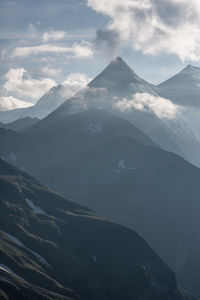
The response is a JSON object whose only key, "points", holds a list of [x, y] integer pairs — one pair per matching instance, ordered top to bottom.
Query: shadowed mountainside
{"points": [[54, 249]]}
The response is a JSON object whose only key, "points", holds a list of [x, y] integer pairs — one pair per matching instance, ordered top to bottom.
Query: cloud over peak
{"points": [[152, 26]]}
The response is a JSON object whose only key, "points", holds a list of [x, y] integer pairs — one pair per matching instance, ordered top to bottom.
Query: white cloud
{"points": [[152, 26], [53, 35], [77, 50], [46, 70], [76, 79], [19, 82], [73, 83], [96, 90], [9, 103], [161, 107]]}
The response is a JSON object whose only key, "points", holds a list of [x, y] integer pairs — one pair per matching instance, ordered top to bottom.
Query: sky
{"points": [[48, 42]]}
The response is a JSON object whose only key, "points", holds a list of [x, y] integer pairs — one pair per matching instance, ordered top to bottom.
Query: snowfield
{"points": [[35, 208], [19, 243]]}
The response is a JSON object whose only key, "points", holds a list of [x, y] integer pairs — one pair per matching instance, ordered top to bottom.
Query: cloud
{"points": [[152, 26], [53, 35], [108, 40], [77, 50], [46, 70], [76, 79], [19, 82], [73, 83], [97, 90], [9, 103], [161, 107]]}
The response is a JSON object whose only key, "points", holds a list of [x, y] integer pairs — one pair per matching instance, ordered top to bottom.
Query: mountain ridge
{"points": [[110, 87], [183, 88], [45, 105], [99, 161], [79, 254]]}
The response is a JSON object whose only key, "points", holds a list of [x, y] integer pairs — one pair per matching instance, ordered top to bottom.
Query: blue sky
{"points": [[44, 42]]}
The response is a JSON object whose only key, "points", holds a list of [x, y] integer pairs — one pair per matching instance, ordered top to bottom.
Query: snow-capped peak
{"points": [[190, 70], [116, 74]]}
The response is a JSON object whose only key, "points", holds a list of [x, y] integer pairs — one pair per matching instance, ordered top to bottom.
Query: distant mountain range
{"points": [[118, 83], [44, 106], [54, 249]]}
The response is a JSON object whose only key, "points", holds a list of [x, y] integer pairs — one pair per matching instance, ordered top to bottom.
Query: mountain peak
{"points": [[119, 59], [120, 63], [190, 68], [116, 74]]}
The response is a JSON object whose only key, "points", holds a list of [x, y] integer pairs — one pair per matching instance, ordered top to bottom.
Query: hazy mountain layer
{"points": [[120, 90], [106, 163]]}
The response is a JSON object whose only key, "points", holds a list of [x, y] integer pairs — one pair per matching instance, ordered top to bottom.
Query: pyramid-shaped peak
{"points": [[119, 60], [120, 63], [191, 68], [117, 73]]}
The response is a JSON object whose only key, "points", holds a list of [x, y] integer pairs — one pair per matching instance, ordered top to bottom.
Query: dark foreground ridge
{"points": [[52, 248]]}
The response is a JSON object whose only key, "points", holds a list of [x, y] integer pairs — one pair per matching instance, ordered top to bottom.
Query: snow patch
{"points": [[93, 128], [122, 166], [35, 208], [13, 239], [19, 243], [38, 256], [94, 258], [8, 270]]}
